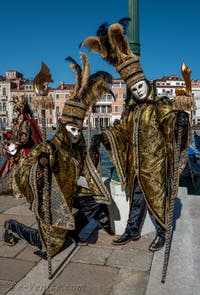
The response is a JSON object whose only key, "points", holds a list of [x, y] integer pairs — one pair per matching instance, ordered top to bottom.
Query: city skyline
{"points": [[49, 32]]}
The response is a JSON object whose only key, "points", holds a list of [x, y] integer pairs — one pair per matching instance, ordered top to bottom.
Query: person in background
{"points": [[25, 134]]}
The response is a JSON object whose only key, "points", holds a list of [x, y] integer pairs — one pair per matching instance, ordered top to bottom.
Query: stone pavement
{"points": [[99, 268]]}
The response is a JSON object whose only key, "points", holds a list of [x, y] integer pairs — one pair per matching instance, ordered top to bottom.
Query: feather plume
{"points": [[124, 22], [119, 41], [93, 44], [78, 70], [85, 72], [98, 84]]}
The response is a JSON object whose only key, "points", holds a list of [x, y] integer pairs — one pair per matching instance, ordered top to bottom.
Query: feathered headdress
{"points": [[112, 44], [40, 84], [88, 90]]}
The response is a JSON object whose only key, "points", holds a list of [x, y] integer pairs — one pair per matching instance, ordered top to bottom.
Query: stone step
{"points": [[184, 263]]}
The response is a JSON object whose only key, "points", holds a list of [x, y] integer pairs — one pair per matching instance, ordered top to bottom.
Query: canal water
{"points": [[106, 164]]}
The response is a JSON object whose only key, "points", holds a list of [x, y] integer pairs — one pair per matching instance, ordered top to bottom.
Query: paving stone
{"points": [[7, 201], [22, 209], [103, 239], [143, 243], [12, 251], [28, 254], [92, 255], [134, 259], [14, 269], [84, 279], [36, 281], [130, 282], [5, 286]]}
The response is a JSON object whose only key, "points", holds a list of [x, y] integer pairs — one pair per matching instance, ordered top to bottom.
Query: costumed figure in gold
{"points": [[24, 135], [143, 143], [74, 182]]}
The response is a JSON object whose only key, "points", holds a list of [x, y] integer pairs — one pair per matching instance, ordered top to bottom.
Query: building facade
{"points": [[105, 111]]}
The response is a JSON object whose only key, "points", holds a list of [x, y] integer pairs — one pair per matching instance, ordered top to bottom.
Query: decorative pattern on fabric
{"points": [[136, 139], [91, 172], [33, 185], [60, 211]]}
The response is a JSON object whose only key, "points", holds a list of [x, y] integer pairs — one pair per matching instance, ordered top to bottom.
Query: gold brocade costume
{"points": [[142, 144], [67, 163]]}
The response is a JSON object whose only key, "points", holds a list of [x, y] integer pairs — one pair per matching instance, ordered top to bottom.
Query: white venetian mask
{"points": [[140, 90], [74, 132], [12, 150]]}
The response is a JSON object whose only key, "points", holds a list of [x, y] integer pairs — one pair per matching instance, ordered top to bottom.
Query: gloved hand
{"points": [[182, 118], [96, 140], [94, 149], [43, 159]]}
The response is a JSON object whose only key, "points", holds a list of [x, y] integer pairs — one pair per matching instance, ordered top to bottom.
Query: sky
{"points": [[48, 31]]}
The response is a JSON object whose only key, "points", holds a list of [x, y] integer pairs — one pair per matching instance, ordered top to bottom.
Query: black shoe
{"points": [[8, 237], [125, 238], [79, 241], [157, 244], [41, 254]]}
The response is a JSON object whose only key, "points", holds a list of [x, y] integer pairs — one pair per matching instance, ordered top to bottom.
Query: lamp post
{"points": [[133, 29], [133, 32]]}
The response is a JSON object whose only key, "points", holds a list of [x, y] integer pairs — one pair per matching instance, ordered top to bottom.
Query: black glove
{"points": [[182, 119], [96, 140], [94, 149], [43, 159]]}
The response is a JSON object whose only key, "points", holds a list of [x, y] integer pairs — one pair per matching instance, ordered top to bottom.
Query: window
{"points": [[123, 85], [4, 91], [116, 95], [124, 95], [57, 96], [4, 107], [116, 108]]}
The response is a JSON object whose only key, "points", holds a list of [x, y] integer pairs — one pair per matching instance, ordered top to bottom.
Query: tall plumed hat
{"points": [[112, 44], [88, 90]]}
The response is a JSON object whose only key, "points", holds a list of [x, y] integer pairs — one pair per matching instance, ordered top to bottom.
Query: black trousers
{"points": [[88, 209], [138, 212], [24, 232]]}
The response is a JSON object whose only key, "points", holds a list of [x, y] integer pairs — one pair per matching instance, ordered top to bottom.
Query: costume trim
{"points": [[92, 173]]}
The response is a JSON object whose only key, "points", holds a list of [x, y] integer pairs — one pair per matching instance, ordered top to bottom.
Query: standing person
{"points": [[25, 134], [143, 143], [73, 178]]}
